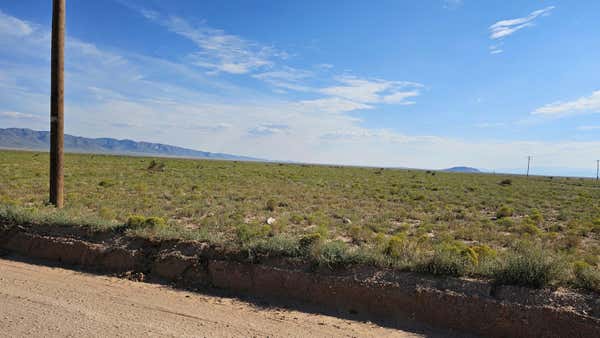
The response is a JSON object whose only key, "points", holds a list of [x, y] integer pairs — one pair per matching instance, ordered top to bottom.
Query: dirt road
{"points": [[37, 300]]}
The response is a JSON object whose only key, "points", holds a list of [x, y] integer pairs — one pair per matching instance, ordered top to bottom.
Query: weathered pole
{"points": [[57, 93], [528, 163], [597, 171]]}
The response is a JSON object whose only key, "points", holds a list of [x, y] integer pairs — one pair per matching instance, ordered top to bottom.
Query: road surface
{"points": [[37, 300]]}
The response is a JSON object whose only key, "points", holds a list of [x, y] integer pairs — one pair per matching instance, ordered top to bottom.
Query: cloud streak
{"points": [[504, 28], [219, 51], [366, 91], [583, 105], [17, 115]]}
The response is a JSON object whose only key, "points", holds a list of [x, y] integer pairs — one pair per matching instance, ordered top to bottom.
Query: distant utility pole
{"points": [[57, 93], [528, 164], [597, 170]]}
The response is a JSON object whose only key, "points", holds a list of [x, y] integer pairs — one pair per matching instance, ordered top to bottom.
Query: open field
{"points": [[535, 232]]}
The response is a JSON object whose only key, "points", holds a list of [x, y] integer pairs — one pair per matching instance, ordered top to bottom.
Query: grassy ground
{"points": [[532, 231]]}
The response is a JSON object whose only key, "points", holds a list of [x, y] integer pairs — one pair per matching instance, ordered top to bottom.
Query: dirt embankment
{"points": [[41, 301], [466, 305]]}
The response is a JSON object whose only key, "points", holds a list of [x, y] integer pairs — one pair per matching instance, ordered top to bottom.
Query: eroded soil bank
{"points": [[465, 305]]}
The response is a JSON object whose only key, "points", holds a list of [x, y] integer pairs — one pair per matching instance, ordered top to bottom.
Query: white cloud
{"points": [[15, 27], [504, 28], [496, 49], [219, 51], [286, 77], [373, 91], [332, 105], [584, 105], [17, 115], [269, 129], [358, 134]]}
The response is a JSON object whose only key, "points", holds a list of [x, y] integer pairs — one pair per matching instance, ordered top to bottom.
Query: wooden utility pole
{"points": [[57, 93], [528, 163], [597, 170]]}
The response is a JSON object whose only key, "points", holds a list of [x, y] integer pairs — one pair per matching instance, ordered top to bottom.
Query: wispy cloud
{"points": [[12, 26], [508, 27], [505, 28], [496, 49], [219, 51], [287, 78], [367, 91], [332, 105], [583, 105], [17, 115], [269, 129]]}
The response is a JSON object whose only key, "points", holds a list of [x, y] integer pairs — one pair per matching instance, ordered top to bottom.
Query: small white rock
{"points": [[270, 220], [346, 220]]}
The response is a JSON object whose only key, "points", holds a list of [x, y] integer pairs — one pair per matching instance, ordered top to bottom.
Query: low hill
{"points": [[21, 138], [462, 170]]}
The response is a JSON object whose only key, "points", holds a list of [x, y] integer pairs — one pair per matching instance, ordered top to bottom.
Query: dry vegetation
{"points": [[536, 232]]}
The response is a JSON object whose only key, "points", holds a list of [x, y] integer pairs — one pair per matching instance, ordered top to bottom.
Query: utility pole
{"points": [[57, 93], [528, 163], [597, 171]]}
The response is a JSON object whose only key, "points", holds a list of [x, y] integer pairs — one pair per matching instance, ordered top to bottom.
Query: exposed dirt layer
{"points": [[40, 301], [460, 304]]}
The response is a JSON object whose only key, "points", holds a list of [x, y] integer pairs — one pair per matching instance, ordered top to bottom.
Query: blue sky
{"points": [[428, 84]]}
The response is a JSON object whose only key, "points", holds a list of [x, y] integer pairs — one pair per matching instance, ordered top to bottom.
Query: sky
{"points": [[420, 84]]}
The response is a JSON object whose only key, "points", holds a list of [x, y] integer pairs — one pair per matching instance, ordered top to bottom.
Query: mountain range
{"points": [[21, 138]]}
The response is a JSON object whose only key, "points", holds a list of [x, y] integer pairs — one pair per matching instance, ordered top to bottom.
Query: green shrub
{"points": [[156, 166], [106, 183], [419, 197], [271, 205], [504, 211], [10, 215], [536, 217], [296, 219], [136, 221], [140, 222], [156, 222], [505, 222], [279, 226], [528, 226], [596, 226], [323, 230], [249, 232], [360, 234], [308, 242], [278, 245], [401, 249], [485, 251], [334, 254], [487, 259], [450, 260], [529, 265], [586, 276]]}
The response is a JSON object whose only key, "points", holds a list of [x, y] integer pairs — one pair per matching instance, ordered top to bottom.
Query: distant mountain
{"points": [[18, 138], [462, 170]]}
